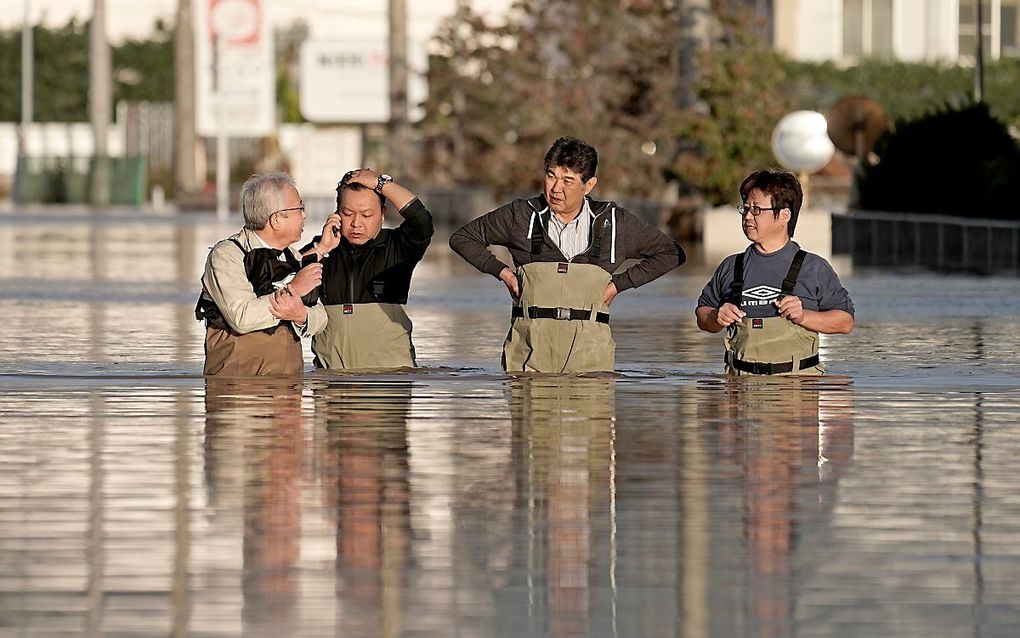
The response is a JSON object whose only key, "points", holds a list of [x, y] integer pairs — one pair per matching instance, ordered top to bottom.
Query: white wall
{"points": [[809, 29], [925, 30], [722, 236]]}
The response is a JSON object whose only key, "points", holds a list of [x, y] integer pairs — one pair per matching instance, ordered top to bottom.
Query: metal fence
{"points": [[927, 242]]}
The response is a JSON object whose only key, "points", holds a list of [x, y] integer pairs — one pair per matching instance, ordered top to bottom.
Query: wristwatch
{"points": [[384, 179]]}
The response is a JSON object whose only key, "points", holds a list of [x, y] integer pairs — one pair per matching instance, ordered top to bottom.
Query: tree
{"points": [[142, 70], [600, 70], [741, 97], [952, 162]]}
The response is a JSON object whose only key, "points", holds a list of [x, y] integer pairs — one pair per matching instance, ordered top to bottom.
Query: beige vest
{"points": [[364, 335], [778, 340], [560, 345], [254, 354]]}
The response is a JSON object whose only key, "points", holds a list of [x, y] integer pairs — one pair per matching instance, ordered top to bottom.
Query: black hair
{"points": [[572, 153], [345, 184], [782, 186]]}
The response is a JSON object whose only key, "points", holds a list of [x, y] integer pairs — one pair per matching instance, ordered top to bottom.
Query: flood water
{"points": [[136, 499]]}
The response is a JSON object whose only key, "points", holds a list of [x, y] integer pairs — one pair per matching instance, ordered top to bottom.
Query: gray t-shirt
{"points": [[817, 286]]}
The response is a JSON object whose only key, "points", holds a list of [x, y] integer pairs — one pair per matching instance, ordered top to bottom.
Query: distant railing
{"points": [[927, 242]]}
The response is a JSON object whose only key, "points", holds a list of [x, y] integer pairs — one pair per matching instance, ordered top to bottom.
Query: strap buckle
{"points": [[563, 314]]}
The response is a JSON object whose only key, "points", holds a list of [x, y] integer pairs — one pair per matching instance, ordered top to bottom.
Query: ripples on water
{"points": [[135, 499]]}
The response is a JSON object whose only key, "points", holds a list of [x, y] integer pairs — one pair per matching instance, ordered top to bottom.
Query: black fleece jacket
{"points": [[622, 235], [378, 271]]}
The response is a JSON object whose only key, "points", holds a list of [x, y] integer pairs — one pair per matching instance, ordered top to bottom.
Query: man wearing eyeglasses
{"points": [[367, 277], [258, 298], [773, 299]]}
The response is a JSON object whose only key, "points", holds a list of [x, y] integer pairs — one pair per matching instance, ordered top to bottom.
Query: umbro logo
{"points": [[762, 293]]}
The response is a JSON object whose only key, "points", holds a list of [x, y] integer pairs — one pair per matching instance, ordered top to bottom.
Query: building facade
{"points": [[909, 30]]}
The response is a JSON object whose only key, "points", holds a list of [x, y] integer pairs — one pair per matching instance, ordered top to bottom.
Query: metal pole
{"points": [[979, 66], [27, 77], [99, 101], [399, 138], [222, 144], [185, 179]]}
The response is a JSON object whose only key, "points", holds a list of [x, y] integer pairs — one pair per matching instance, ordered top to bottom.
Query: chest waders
{"points": [[560, 323], [364, 335], [769, 345], [274, 351]]}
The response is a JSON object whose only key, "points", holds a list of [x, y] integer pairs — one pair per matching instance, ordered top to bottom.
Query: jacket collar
{"points": [[538, 204]]}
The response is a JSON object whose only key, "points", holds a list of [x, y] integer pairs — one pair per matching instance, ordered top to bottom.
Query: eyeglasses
{"points": [[754, 209], [286, 210]]}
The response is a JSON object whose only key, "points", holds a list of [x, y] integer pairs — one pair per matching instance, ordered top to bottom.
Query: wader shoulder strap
{"points": [[536, 234], [595, 240], [791, 277], [737, 286], [206, 309]]}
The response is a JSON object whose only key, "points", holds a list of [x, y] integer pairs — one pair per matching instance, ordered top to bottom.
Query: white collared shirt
{"points": [[572, 238]]}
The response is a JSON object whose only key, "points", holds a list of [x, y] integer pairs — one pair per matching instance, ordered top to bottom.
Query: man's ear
{"points": [[590, 184]]}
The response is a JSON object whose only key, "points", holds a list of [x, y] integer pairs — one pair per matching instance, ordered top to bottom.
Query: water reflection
{"points": [[259, 428], [784, 444], [563, 457], [365, 488]]}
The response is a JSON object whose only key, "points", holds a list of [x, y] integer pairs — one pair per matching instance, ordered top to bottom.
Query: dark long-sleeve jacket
{"points": [[620, 235], [378, 271]]}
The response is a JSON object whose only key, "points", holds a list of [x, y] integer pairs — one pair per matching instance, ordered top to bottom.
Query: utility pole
{"points": [[692, 37], [979, 66], [27, 78], [99, 102], [184, 102], [399, 138], [457, 171]]}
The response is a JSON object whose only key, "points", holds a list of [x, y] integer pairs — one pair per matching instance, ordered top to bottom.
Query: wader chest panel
{"points": [[364, 335], [578, 339], [771, 345]]}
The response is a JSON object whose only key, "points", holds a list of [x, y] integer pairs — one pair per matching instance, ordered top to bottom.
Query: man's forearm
{"points": [[708, 319], [828, 321]]}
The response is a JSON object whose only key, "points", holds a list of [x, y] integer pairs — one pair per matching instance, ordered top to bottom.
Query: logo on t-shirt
{"points": [[760, 295]]}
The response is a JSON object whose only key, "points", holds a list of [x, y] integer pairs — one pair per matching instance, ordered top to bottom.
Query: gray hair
{"points": [[261, 196]]}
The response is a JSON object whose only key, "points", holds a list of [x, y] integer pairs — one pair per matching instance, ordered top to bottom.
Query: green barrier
{"points": [[75, 180]]}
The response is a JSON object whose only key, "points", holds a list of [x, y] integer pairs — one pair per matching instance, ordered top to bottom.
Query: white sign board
{"points": [[235, 71], [347, 81]]}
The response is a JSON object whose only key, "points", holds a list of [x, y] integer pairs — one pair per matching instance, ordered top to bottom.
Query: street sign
{"points": [[235, 74], [347, 81]]}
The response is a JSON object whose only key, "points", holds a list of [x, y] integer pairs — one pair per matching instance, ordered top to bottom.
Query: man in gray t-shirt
{"points": [[818, 286], [774, 298]]}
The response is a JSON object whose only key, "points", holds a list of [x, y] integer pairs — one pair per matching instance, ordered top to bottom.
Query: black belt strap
{"points": [[564, 314], [758, 367]]}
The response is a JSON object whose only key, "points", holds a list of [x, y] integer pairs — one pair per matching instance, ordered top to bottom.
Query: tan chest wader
{"points": [[560, 323], [364, 335], [770, 345], [274, 351], [255, 354]]}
